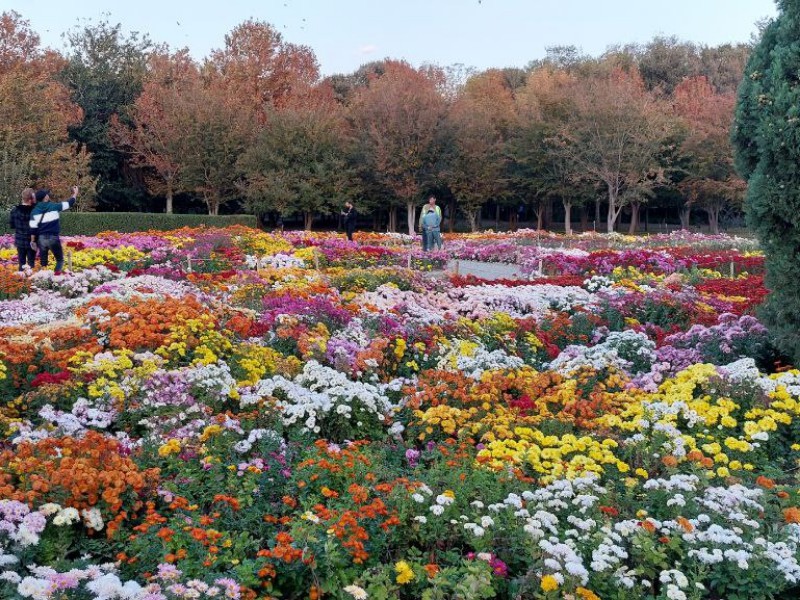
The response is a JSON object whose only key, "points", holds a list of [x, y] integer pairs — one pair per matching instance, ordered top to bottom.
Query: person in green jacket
{"points": [[430, 205]]}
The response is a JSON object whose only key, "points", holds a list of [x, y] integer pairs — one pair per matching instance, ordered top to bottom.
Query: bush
{"points": [[75, 223]]}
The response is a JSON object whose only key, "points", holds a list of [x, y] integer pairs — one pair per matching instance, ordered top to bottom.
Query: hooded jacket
{"points": [[45, 217]]}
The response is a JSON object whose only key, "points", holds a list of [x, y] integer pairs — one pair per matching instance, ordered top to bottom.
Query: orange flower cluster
{"points": [[12, 285], [147, 322], [31, 351], [93, 471]]}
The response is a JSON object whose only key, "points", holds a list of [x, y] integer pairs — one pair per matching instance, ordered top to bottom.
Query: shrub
{"points": [[75, 223]]}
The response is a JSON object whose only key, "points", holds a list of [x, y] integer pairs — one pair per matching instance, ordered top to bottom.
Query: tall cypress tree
{"points": [[767, 141]]}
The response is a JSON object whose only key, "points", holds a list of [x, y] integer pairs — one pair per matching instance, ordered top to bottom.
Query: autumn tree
{"points": [[264, 69], [35, 114], [481, 118], [398, 119], [218, 130], [151, 131], [615, 136], [298, 161], [541, 165], [712, 183]]}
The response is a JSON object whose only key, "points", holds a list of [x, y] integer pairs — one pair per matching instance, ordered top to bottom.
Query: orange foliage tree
{"points": [[262, 68], [35, 114], [398, 118], [482, 119], [712, 183]]}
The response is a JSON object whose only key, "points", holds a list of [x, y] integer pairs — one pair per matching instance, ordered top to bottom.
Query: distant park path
{"points": [[484, 270]]}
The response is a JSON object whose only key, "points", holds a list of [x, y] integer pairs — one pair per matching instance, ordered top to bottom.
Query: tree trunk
{"points": [[169, 197], [213, 205], [539, 210], [613, 210], [596, 212], [412, 213], [548, 214], [686, 215], [473, 216], [567, 216], [497, 217], [584, 218], [634, 218], [713, 218], [308, 219], [392, 219], [376, 221], [451, 225]]}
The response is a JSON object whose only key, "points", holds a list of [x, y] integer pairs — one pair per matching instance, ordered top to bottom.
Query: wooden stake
{"points": [[69, 259], [316, 259], [188, 264], [458, 265], [541, 267], [732, 272]]}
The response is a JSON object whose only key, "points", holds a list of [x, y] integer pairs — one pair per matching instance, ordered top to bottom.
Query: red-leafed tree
{"points": [[398, 118], [153, 129], [712, 183]]}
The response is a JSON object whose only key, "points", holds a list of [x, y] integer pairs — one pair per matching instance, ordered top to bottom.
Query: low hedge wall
{"points": [[92, 223]]}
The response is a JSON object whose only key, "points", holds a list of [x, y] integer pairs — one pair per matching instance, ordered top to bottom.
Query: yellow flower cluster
{"points": [[91, 257], [197, 339], [259, 362], [107, 372], [173, 446], [551, 457], [404, 572]]}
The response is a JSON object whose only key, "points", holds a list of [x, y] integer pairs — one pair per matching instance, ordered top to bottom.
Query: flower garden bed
{"points": [[223, 413]]}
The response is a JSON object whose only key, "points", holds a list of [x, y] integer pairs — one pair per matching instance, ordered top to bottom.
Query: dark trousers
{"points": [[349, 230], [51, 243], [26, 256]]}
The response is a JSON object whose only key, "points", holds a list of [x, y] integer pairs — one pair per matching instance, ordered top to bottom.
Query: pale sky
{"points": [[347, 33]]}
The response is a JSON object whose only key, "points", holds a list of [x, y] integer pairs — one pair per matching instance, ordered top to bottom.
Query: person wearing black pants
{"points": [[350, 216], [19, 220]]}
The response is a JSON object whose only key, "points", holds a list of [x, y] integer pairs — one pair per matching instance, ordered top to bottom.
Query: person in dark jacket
{"points": [[349, 217], [19, 220], [46, 226]]}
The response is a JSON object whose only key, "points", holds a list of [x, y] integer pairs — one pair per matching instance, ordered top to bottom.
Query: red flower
{"points": [[50, 378]]}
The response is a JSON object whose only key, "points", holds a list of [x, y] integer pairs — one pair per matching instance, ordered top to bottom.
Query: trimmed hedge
{"points": [[92, 223]]}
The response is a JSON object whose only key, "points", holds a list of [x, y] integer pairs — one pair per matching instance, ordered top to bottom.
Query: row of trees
{"points": [[253, 126]]}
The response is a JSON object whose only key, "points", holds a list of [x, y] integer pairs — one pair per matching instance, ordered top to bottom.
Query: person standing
{"points": [[430, 205], [349, 218], [19, 220], [431, 222], [45, 226]]}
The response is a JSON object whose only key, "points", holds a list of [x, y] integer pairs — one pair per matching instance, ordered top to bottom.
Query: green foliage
{"points": [[104, 74], [767, 155], [298, 163], [94, 223]]}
